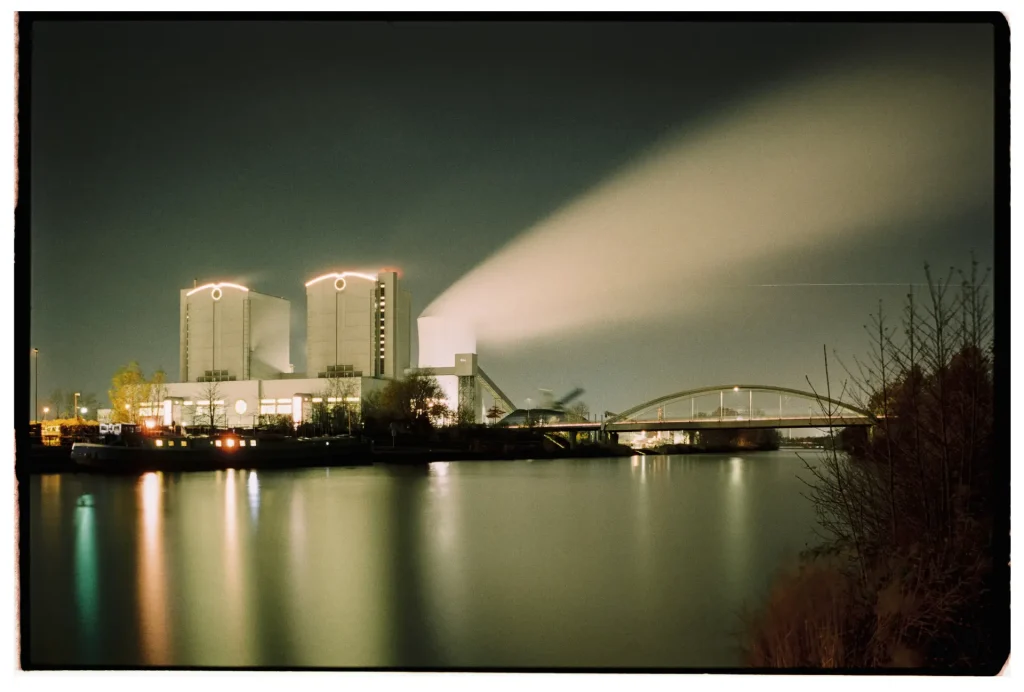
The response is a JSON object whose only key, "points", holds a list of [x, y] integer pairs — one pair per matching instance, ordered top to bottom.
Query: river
{"points": [[642, 562]]}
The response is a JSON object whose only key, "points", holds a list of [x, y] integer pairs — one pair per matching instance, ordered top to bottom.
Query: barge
{"points": [[131, 453]]}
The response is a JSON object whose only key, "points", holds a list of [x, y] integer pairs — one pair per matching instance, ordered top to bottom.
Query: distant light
{"points": [[217, 286], [735, 389], [240, 406], [127, 407], [46, 409], [85, 410], [150, 423], [231, 442], [159, 443], [217, 443], [252, 443]]}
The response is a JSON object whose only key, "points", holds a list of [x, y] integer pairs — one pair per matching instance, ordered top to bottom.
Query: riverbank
{"points": [[677, 450], [47, 460]]}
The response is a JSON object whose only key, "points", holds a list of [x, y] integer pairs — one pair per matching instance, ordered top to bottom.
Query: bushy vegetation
{"points": [[130, 389], [415, 404], [906, 574]]}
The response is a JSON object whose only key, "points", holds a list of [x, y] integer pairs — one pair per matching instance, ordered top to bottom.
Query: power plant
{"points": [[235, 364]]}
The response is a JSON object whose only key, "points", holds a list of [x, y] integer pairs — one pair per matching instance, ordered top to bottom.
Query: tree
{"points": [[158, 386], [129, 389], [88, 401], [57, 403], [415, 403], [62, 404], [336, 409], [578, 412], [494, 413], [210, 414], [277, 423], [909, 511]]}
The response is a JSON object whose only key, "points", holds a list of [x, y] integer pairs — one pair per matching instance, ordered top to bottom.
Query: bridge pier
{"points": [[572, 439]]}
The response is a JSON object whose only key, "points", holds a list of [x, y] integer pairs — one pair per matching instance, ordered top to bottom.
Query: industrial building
{"points": [[357, 325], [228, 332], [234, 352], [239, 403]]}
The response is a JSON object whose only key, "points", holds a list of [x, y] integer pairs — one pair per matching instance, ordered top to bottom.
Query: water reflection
{"points": [[735, 471], [254, 497], [50, 499], [739, 533], [443, 562], [576, 562], [86, 576], [152, 576], [240, 635]]}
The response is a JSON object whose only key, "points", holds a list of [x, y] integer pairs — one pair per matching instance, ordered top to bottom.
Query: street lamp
{"points": [[36, 352], [77, 394], [46, 409]]}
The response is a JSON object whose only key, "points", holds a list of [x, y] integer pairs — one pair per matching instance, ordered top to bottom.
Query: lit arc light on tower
{"points": [[340, 275], [217, 286]]}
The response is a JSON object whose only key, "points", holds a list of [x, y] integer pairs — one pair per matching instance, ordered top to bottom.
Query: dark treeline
{"points": [[907, 573]]}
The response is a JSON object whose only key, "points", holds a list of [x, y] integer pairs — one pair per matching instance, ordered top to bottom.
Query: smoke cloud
{"points": [[816, 162]]}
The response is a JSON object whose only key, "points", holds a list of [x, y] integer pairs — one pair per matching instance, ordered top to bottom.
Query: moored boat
{"points": [[134, 453]]}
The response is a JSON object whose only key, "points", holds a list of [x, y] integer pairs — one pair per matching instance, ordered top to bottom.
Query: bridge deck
{"points": [[713, 424]]}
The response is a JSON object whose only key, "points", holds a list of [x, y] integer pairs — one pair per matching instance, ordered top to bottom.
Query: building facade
{"points": [[357, 325], [228, 332], [234, 350], [240, 403]]}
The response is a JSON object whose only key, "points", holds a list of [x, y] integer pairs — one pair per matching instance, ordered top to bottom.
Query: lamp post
{"points": [[36, 352], [76, 404], [46, 409]]}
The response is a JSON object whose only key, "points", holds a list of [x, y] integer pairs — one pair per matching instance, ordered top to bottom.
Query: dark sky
{"points": [[266, 153]]}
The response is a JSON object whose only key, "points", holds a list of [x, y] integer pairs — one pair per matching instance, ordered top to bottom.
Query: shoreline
{"points": [[49, 460]]}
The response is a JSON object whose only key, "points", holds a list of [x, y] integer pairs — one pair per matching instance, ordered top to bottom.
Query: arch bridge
{"points": [[734, 406]]}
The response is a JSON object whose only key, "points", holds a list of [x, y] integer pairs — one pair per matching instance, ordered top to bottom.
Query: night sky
{"points": [[267, 153]]}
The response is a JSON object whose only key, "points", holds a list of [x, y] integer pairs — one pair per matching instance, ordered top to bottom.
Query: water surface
{"points": [[577, 563]]}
